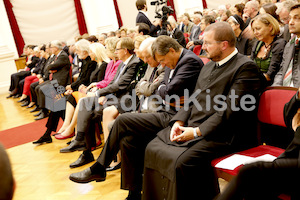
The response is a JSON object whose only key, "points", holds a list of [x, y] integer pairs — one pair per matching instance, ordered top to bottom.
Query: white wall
{"points": [[215, 3], [188, 6], [129, 12], [99, 16], [46, 20], [43, 21], [6, 36], [8, 51]]}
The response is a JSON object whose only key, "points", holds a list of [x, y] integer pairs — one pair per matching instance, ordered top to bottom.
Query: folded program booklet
{"points": [[236, 160]]}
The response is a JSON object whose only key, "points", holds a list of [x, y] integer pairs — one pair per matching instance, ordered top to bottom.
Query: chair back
{"points": [[186, 37], [197, 49], [71, 74], [271, 104]]}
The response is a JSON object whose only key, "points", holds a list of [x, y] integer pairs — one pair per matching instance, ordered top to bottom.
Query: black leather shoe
{"points": [[9, 96], [17, 96], [22, 100], [26, 103], [30, 106], [35, 109], [37, 114], [42, 116], [42, 140], [74, 146], [82, 160], [118, 166], [86, 176], [134, 197]]}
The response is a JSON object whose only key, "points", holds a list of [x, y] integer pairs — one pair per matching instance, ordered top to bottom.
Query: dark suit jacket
{"points": [[142, 18], [195, 32], [286, 33], [178, 35], [243, 45], [277, 48], [66, 49], [288, 54], [34, 61], [62, 65], [39, 66], [88, 66], [46, 72], [99, 73], [184, 77], [119, 88], [290, 109], [233, 127], [226, 130]]}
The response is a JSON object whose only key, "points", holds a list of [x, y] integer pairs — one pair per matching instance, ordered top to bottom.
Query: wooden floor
{"points": [[42, 173]]}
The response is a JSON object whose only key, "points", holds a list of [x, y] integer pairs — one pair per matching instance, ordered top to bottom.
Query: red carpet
{"points": [[24, 134]]}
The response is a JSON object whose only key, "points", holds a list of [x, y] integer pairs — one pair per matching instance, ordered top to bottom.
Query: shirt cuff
{"points": [[143, 83], [160, 87]]}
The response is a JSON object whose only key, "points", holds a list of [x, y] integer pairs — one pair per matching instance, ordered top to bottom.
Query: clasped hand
{"points": [[102, 100], [181, 134]]}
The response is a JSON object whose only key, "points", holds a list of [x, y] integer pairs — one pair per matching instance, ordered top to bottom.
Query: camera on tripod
{"points": [[166, 11]]}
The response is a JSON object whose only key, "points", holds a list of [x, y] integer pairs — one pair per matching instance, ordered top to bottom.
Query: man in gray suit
{"points": [[195, 32], [289, 72], [152, 78]]}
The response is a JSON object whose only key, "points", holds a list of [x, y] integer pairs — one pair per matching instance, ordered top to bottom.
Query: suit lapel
{"points": [[289, 56], [128, 64], [178, 65], [97, 69], [118, 72]]}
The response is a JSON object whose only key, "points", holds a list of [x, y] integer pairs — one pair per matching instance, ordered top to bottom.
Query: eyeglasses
{"points": [[210, 43]]}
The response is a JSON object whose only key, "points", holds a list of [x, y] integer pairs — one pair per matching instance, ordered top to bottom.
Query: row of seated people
{"points": [[268, 33], [268, 49], [40, 57], [54, 64], [122, 83], [85, 118], [131, 132], [188, 139]]}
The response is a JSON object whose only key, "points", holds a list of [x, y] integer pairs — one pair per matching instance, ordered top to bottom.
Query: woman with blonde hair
{"points": [[268, 50], [98, 54], [111, 70]]}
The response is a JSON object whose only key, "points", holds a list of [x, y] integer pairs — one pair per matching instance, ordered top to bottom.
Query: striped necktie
{"points": [[121, 70], [287, 79]]}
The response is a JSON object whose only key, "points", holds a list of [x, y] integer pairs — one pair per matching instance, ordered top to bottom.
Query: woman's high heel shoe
{"points": [[62, 137]]}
